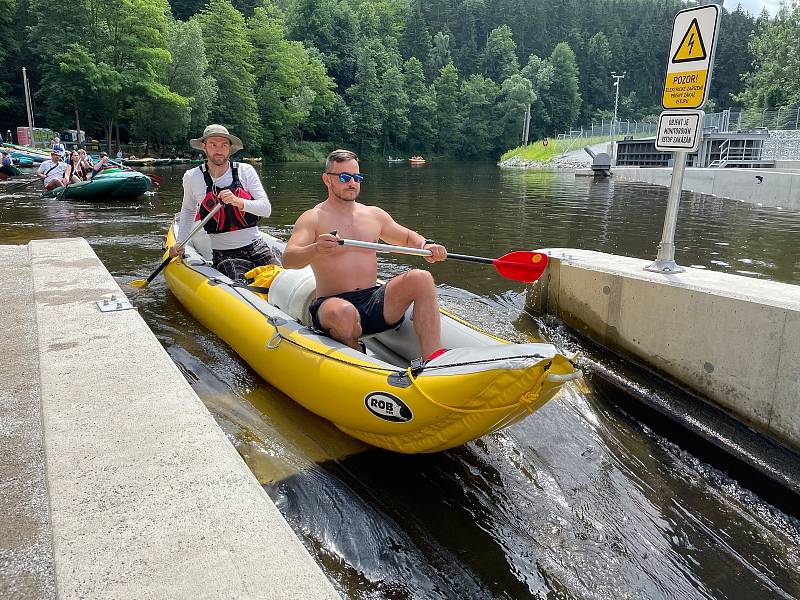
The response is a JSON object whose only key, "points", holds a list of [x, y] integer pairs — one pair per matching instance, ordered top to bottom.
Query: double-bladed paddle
{"points": [[166, 261], [521, 265]]}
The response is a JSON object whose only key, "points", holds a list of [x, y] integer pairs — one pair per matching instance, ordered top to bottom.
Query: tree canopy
{"points": [[454, 77]]}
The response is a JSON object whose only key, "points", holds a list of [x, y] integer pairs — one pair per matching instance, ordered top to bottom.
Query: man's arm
{"points": [[260, 204], [188, 213], [394, 233], [305, 245]]}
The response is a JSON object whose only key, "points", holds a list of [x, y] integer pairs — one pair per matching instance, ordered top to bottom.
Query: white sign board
{"points": [[691, 55], [679, 131]]}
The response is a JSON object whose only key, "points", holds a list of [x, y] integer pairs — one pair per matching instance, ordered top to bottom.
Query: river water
{"points": [[579, 501]]}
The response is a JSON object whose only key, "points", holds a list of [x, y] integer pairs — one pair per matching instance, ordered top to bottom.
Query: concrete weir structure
{"points": [[763, 187], [733, 340], [115, 480]]}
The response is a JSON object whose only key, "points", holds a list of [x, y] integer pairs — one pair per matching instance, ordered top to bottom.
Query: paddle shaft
{"points": [[197, 228], [414, 251]]}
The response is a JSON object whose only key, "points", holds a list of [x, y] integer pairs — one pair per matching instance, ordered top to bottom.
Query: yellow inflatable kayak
{"points": [[479, 386]]}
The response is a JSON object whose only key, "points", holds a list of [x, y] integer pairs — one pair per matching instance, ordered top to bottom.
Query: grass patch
{"points": [[538, 152]]}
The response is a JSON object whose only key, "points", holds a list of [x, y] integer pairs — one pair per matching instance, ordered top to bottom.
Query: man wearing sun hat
{"points": [[52, 171], [235, 240]]}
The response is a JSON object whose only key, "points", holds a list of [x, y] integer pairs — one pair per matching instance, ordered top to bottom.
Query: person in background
{"points": [[57, 146], [86, 160], [101, 165], [7, 166], [52, 171], [75, 172], [235, 239]]}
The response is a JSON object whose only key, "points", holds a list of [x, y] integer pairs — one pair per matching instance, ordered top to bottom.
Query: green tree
{"points": [[7, 10], [332, 27], [416, 39], [229, 54], [439, 55], [500, 55], [732, 59], [187, 73], [540, 73], [596, 76], [775, 77], [76, 78], [291, 83], [517, 95], [564, 100], [395, 103], [365, 105], [422, 108], [448, 109], [338, 125], [479, 127]]}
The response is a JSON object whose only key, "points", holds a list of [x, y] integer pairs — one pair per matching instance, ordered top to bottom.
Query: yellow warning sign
{"points": [[691, 47], [690, 58], [685, 89]]}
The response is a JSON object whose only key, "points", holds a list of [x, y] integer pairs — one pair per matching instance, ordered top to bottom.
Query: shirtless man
{"points": [[349, 303]]}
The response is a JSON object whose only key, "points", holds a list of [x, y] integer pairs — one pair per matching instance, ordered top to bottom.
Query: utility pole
{"points": [[28, 108], [614, 121]]}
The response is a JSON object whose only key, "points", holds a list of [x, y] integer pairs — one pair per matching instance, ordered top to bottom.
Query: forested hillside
{"points": [[452, 77]]}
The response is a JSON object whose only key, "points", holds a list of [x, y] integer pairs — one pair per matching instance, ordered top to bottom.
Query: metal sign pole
{"points": [[686, 83], [665, 260]]}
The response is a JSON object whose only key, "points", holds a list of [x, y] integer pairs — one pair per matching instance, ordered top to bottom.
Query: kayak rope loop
{"points": [[275, 340], [525, 400]]}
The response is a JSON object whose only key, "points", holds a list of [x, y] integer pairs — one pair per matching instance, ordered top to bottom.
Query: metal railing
{"points": [[739, 119], [622, 128]]}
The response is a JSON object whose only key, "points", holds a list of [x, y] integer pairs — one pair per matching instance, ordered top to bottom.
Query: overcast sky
{"points": [[754, 7]]}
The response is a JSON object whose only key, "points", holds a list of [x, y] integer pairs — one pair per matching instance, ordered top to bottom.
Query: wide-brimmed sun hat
{"points": [[217, 131]]}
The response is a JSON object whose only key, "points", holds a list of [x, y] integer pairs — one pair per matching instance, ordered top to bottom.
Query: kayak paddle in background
{"points": [[521, 265], [145, 282]]}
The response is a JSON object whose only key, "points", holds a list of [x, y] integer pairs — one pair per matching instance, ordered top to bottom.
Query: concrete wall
{"points": [[776, 188], [734, 340], [148, 498]]}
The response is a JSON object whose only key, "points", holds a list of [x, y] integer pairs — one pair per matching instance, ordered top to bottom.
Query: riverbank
{"points": [[118, 482]]}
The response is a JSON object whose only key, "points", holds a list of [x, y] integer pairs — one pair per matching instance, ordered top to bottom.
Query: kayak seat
{"points": [[293, 291]]}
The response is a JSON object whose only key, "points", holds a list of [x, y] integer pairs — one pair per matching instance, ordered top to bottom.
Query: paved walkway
{"points": [[147, 497]]}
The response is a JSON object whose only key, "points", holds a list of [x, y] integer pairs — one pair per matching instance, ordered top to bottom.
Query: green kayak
{"points": [[119, 185]]}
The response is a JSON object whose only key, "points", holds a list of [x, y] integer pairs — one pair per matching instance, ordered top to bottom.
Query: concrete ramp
{"points": [[147, 497]]}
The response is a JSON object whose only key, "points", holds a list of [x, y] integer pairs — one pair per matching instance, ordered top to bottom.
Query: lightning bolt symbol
{"points": [[691, 44]]}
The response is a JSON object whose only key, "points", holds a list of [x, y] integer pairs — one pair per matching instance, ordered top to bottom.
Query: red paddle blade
{"points": [[3, 176], [521, 265]]}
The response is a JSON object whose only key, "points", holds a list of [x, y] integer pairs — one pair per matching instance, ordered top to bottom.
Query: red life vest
{"points": [[230, 218]]}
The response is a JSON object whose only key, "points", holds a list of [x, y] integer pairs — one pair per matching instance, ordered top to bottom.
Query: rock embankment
{"points": [[575, 159]]}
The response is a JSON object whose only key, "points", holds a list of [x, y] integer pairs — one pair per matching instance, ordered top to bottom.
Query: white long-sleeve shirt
{"points": [[194, 191]]}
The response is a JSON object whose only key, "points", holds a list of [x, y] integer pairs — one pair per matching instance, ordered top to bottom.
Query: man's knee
{"points": [[420, 279], [340, 318]]}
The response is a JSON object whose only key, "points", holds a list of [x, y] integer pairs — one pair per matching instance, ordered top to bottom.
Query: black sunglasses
{"points": [[345, 177]]}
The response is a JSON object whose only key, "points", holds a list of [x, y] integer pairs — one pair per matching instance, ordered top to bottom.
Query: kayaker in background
{"points": [[57, 146], [86, 160], [101, 165], [7, 167], [52, 171], [75, 172], [235, 239], [349, 302]]}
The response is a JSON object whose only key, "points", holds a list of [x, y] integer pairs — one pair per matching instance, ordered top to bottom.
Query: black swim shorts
{"points": [[368, 302]]}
